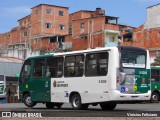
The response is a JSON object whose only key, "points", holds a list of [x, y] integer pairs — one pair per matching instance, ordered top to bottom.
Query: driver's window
{"points": [[25, 74]]}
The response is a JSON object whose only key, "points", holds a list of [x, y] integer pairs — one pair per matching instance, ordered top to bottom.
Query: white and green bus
{"points": [[104, 76], [2, 87]]}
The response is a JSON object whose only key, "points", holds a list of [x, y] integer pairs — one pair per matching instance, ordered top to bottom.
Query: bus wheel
{"points": [[154, 97], [28, 102], [76, 102], [50, 105], [108, 105]]}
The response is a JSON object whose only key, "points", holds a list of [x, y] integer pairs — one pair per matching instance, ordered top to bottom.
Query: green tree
{"points": [[156, 61]]}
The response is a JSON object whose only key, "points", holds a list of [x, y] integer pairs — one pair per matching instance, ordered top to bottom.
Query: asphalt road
{"points": [[122, 110]]}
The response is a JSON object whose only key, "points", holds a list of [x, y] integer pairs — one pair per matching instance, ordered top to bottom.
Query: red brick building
{"points": [[51, 28], [148, 35]]}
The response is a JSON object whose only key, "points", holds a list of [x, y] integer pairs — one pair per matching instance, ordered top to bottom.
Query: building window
{"points": [[48, 11], [36, 12], [61, 13], [48, 25], [82, 25], [61, 27], [70, 30], [25, 34], [53, 39], [35, 41], [96, 64], [74, 66]]}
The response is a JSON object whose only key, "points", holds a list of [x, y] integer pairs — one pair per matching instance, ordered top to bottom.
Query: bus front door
{"points": [[40, 89]]}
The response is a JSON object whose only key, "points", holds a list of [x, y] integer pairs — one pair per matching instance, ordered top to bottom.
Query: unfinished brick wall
{"points": [[80, 14], [55, 19], [36, 20], [58, 24], [91, 25], [111, 27], [87, 28], [25, 29], [15, 36], [5, 38], [146, 38], [154, 38], [93, 41], [36, 43]]}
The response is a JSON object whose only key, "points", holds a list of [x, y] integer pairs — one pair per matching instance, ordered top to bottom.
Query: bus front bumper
{"points": [[118, 96]]}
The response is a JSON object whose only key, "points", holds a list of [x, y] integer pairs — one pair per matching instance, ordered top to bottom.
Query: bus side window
{"points": [[96, 64], [74, 66], [55, 67], [39, 68], [25, 73], [155, 75]]}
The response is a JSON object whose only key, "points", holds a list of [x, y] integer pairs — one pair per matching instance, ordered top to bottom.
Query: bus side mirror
{"points": [[17, 75], [122, 77]]}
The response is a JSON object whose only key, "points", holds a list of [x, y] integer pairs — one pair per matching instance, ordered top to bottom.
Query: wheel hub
{"points": [[154, 97], [28, 100], [76, 102]]}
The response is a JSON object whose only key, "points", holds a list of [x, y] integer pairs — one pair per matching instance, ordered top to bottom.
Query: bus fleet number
{"points": [[102, 81]]}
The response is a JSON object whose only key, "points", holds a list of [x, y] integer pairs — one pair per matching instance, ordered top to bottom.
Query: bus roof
{"points": [[88, 50], [72, 52], [41, 56]]}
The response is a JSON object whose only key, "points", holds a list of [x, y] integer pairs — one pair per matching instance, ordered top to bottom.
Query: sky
{"points": [[130, 12]]}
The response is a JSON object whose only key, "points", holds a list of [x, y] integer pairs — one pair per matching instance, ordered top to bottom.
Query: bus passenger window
{"points": [[96, 64], [74, 66], [55, 67], [39, 68], [155, 75]]}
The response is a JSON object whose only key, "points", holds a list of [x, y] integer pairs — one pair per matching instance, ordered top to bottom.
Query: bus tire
{"points": [[155, 97], [27, 101], [76, 102], [50, 105], [108, 105]]}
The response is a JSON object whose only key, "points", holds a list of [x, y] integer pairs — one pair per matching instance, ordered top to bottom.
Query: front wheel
{"points": [[154, 97], [28, 102], [108, 105]]}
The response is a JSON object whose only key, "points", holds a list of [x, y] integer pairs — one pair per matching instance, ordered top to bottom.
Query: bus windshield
{"points": [[133, 59]]}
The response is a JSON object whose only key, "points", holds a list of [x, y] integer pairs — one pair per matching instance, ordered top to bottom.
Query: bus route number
{"points": [[102, 81]]}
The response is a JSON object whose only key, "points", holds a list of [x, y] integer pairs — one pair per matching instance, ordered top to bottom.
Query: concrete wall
{"points": [[153, 17]]}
